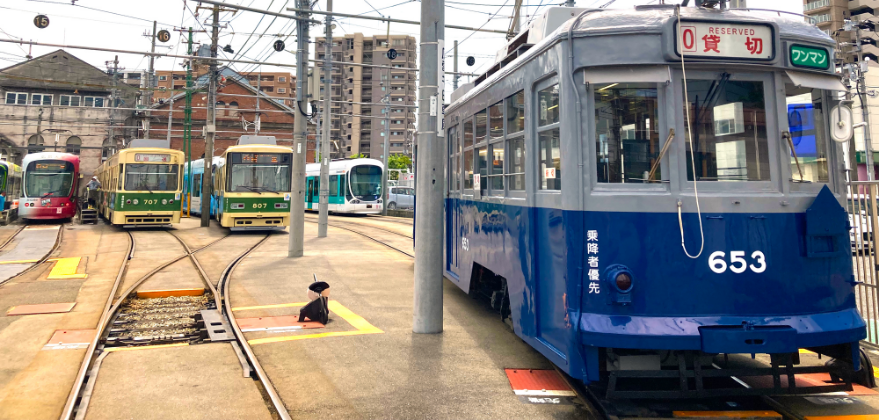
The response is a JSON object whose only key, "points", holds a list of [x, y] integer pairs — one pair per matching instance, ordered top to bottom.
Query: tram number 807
{"points": [[259, 205], [737, 263]]}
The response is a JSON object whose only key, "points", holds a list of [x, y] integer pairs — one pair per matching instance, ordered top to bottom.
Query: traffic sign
{"points": [[41, 21], [163, 35], [279, 45], [392, 54], [471, 61]]}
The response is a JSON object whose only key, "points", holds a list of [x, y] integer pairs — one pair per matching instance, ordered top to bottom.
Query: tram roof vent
{"points": [[461, 91], [243, 140], [157, 143]]}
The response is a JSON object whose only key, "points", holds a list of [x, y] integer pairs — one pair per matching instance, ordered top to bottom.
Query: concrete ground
{"points": [[33, 243], [352, 371], [34, 383]]}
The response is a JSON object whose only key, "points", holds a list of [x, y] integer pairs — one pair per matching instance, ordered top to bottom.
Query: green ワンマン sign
{"points": [[815, 58]]}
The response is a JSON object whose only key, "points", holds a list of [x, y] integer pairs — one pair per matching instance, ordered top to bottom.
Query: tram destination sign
{"points": [[725, 40], [810, 57], [152, 158]]}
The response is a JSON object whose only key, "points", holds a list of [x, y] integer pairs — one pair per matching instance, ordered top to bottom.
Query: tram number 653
{"points": [[259, 205], [465, 244], [737, 263]]}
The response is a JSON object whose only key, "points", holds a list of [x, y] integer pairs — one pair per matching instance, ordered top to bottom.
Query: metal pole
{"points": [[455, 63], [148, 95], [862, 96], [187, 122], [210, 126], [112, 132], [386, 148], [297, 183], [324, 204], [428, 302]]}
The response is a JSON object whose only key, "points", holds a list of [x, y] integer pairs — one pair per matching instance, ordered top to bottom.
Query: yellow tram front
{"points": [[142, 186], [252, 187]]}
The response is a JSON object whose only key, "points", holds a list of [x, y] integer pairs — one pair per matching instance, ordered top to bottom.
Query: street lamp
{"points": [[57, 132]]}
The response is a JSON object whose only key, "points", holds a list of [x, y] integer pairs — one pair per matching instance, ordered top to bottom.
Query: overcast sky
{"points": [[122, 24]]}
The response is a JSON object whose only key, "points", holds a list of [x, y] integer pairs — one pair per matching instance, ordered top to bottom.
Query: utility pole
{"points": [[517, 12], [455, 64], [862, 86], [148, 95], [187, 118], [210, 124], [112, 133], [386, 142], [300, 147], [324, 203], [428, 302]]}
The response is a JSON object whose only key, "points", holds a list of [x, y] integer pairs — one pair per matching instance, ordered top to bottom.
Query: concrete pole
{"points": [[455, 64], [862, 87], [148, 94], [210, 125], [112, 132], [386, 141], [300, 146], [324, 204], [428, 303]]}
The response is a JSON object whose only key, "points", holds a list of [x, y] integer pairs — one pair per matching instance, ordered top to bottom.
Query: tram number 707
{"points": [[149, 202], [259, 205], [737, 263]]}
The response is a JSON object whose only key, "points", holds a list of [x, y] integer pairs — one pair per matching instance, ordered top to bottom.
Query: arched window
{"points": [[220, 108], [233, 109], [35, 144], [74, 144], [107, 149]]}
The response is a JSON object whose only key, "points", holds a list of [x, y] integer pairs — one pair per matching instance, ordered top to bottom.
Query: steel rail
{"points": [[372, 227], [368, 237], [6, 242], [41, 260], [225, 280], [109, 309]]}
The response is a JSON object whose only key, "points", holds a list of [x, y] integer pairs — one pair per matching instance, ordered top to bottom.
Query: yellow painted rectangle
{"points": [[65, 268], [147, 294], [363, 327], [157, 346], [755, 414], [846, 417]]}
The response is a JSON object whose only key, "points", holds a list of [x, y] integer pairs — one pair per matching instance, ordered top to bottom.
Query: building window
{"points": [[816, 4], [821, 18], [399, 42], [350, 43], [163, 78], [282, 79], [282, 90], [15, 98], [41, 99], [69, 100], [95, 102], [220, 108], [548, 142], [35, 144], [74, 144], [107, 149]]}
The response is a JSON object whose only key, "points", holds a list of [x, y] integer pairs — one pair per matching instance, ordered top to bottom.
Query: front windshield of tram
{"points": [[259, 172], [150, 177], [48, 178], [366, 182]]}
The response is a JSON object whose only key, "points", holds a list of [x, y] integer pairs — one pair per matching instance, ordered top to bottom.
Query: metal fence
{"points": [[862, 208]]}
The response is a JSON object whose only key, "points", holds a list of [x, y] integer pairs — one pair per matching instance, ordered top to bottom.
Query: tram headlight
{"points": [[164, 201], [355, 201], [134, 202], [236, 206], [621, 283]]}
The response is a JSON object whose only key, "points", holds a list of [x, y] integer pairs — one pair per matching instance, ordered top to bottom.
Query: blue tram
{"points": [[192, 176], [621, 185]]}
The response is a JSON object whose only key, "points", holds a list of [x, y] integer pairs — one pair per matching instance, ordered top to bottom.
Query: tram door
{"points": [[195, 189]]}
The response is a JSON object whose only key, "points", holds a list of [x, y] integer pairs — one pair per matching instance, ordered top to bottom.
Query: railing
{"points": [[816, 5], [821, 18], [863, 210]]}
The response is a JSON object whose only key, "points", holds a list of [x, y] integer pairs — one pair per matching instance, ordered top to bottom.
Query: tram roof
{"points": [[647, 20], [30, 157]]}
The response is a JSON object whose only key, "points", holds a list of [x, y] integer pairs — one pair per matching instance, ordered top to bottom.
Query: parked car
{"points": [[401, 198]]}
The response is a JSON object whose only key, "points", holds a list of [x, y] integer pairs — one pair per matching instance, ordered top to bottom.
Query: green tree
{"points": [[358, 156], [399, 162]]}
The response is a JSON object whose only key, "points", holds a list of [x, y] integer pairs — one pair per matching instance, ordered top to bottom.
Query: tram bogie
{"points": [[51, 182], [141, 185], [251, 185], [355, 186], [573, 205]]}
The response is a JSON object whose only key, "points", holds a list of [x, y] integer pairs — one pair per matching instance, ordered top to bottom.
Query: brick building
{"points": [[276, 84], [233, 113], [359, 125]]}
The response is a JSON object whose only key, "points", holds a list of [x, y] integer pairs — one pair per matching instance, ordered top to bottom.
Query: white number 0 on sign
{"points": [[737, 262]]}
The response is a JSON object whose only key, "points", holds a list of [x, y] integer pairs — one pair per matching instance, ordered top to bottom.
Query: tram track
{"points": [[338, 225], [11, 238], [43, 259]]}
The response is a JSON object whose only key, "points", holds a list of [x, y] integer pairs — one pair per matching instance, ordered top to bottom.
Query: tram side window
{"points": [[805, 116], [481, 121], [729, 130], [626, 133], [515, 139], [548, 142], [468, 155], [454, 157], [482, 169], [196, 185], [334, 185]]}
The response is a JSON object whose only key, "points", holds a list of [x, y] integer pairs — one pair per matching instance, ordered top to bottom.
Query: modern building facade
{"points": [[278, 85], [358, 93]]}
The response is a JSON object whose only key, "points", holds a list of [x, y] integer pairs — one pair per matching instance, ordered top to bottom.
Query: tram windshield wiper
{"points": [[252, 189], [267, 190], [48, 194]]}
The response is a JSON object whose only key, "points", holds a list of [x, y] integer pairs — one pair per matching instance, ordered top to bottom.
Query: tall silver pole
{"points": [[455, 64], [148, 94], [862, 96], [210, 125], [300, 146], [386, 147], [324, 204], [428, 304]]}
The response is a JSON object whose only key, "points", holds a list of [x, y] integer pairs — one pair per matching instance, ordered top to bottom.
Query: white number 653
{"points": [[737, 263]]}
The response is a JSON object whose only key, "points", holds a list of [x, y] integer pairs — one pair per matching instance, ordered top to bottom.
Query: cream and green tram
{"points": [[141, 185], [252, 185]]}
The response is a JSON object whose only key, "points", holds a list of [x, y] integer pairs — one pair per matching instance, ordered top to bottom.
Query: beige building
{"points": [[273, 84], [357, 93]]}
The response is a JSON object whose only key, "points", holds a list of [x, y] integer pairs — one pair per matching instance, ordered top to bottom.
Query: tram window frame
{"points": [[515, 106], [772, 125], [540, 134], [830, 148], [454, 166], [467, 173], [495, 182]]}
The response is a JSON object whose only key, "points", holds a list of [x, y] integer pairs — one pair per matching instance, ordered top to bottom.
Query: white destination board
{"points": [[725, 40]]}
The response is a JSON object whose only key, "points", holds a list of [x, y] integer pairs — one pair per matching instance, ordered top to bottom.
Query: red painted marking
{"points": [[46, 308], [276, 322], [72, 336], [532, 379], [805, 381]]}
